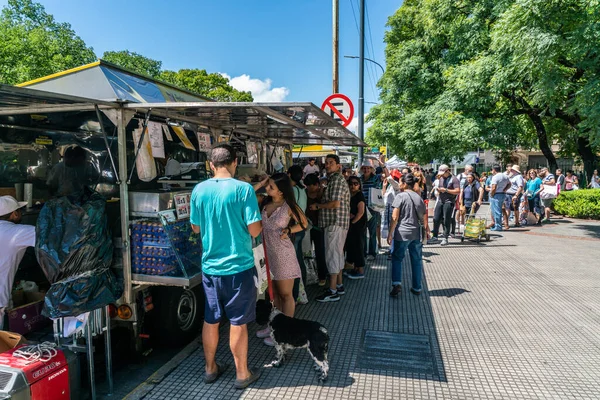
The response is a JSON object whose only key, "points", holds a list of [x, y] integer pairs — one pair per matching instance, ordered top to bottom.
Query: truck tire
{"points": [[178, 314]]}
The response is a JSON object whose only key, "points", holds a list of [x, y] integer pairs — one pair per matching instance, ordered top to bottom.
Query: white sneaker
{"points": [[444, 242], [370, 257], [264, 333], [269, 342]]}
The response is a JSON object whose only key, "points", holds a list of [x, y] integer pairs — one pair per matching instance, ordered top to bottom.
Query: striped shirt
{"points": [[373, 182]]}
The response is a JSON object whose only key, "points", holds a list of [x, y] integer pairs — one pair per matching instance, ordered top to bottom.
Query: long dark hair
{"points": [[295, 172], [410, 180], [284, 184]]}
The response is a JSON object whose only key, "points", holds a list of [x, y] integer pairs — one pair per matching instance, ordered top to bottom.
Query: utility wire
{"points": [[370, 67], [374, 86]]}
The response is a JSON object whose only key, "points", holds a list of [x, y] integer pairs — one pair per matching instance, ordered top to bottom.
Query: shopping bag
{"points": [[549, 192], [376, 199], [311, 272], [260, 280]]}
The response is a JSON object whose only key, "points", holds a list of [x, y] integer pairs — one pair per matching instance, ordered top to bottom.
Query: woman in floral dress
{"points": [[281, 218]]}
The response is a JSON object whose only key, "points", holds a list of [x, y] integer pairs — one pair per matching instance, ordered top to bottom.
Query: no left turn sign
{"points": [[340, 108]]}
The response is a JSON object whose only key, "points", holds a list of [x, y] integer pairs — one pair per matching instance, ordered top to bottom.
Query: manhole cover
{"points": [[396, 352]]}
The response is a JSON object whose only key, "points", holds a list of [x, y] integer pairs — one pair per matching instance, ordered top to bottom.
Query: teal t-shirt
{"points": [[533, 185], [223, 209]]}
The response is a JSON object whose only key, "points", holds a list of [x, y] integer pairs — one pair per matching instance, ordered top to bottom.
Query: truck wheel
{"points": [[179, 314]]}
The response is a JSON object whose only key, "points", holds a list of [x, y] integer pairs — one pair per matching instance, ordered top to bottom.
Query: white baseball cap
{"points": [[443, 168], [8, 204]]}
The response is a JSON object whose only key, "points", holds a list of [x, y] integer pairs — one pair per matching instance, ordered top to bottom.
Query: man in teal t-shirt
{"points": [[225, 211]]}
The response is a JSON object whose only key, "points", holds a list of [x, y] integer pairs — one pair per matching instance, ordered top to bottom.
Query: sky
{"points": [[280, 50]]}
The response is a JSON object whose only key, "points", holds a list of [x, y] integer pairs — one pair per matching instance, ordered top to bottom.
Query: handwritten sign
{"points": [[182, 205]]}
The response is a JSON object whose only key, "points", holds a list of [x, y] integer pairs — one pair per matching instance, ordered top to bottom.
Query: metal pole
{"points": [[336, 43], [361, 82], [124, 204], [108, 351], [90, 355]]}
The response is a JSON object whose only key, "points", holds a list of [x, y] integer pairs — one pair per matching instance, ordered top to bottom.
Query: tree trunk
{"points": [[540, 130], [587, 156]]}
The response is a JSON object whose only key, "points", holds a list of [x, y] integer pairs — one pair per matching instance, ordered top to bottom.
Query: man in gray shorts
{"points": [[334, 219]]}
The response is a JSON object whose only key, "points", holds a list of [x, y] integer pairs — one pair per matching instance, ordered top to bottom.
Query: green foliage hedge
{"points": [[579, 204]]}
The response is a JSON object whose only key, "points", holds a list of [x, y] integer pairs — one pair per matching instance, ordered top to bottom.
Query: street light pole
{"points": [[335, 45], [368, 59], [361, 83]]}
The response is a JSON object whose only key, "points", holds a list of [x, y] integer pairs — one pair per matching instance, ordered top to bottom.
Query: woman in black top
{"points": [[358, 225]]}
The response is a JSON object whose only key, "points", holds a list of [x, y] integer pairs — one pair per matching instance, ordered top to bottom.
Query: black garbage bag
{"points": [[74, 248]]}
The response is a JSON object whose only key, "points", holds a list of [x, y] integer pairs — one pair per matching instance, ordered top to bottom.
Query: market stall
{"points": [[123, 143]]}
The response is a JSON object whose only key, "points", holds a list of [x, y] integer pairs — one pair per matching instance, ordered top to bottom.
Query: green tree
{"points": [[33, 44], [134, 62], [490, 73], [213, 85]]}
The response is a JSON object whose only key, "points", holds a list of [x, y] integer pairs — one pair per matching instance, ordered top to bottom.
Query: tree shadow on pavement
{"points": [[590, 230], [449, 292]]}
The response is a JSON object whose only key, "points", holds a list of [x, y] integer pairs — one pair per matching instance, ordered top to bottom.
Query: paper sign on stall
{"points": [[180, 132], [155, 133], [167, 133], [203, 141], [182, 205]]}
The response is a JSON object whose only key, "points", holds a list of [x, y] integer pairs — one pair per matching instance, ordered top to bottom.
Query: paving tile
{"points": [[515, 318]]}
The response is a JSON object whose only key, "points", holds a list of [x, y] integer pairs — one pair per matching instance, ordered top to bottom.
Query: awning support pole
{"points": [[139, 146], [300, 152], [112, 161]]}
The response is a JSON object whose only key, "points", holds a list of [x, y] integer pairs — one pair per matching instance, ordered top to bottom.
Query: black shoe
{"points": [[341, 290], [396, 290], [415, 292], [327, 297], [241, 384]]}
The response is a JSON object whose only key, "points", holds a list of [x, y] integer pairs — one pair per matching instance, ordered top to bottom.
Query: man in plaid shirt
{"points": [[334, 219]]}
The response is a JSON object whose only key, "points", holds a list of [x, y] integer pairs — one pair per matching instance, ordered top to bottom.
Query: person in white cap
{"points": [[448, 188], [512, 200], [15, 239]]}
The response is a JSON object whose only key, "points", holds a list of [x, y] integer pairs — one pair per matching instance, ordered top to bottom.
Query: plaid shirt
{"points": [[337, 189]]}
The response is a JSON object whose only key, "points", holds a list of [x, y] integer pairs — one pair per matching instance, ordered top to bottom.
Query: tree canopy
{"points": [[33, 44], [134, 62], [494, 74], [214, 86]]}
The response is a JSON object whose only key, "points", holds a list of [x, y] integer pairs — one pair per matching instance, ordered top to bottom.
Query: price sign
{"points": [[182, 205]]}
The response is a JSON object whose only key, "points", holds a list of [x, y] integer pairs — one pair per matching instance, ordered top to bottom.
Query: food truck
{"points": [[147, 145]]}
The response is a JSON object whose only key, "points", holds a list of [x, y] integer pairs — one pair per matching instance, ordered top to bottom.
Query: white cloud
{"points": [[261, 90], [353, 127]]}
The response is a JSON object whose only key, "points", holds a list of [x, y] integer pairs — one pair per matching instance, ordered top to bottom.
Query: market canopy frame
{"points": [[291, 122], [295, 123]]}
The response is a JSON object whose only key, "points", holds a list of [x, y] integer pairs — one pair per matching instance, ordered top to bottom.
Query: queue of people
{"points": [[338, 215]]}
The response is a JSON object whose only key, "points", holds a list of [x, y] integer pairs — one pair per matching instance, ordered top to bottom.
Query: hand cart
{"points": [[475, 228]]}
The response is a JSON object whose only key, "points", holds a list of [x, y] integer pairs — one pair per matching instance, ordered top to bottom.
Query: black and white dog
{"points": [[292, 333]]}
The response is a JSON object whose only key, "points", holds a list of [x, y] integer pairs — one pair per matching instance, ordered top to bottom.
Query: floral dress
{"points": [[280, 252]]}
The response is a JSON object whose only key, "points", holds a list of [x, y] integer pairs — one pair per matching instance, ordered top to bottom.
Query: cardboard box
{"points": [[27, 317], [10, 340]]}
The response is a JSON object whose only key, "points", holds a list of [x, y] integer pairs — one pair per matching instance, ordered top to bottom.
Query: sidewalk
{"points": [[515, 318]]}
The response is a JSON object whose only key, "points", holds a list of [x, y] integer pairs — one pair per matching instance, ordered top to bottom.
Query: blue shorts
{"points": [[233, 296]]}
